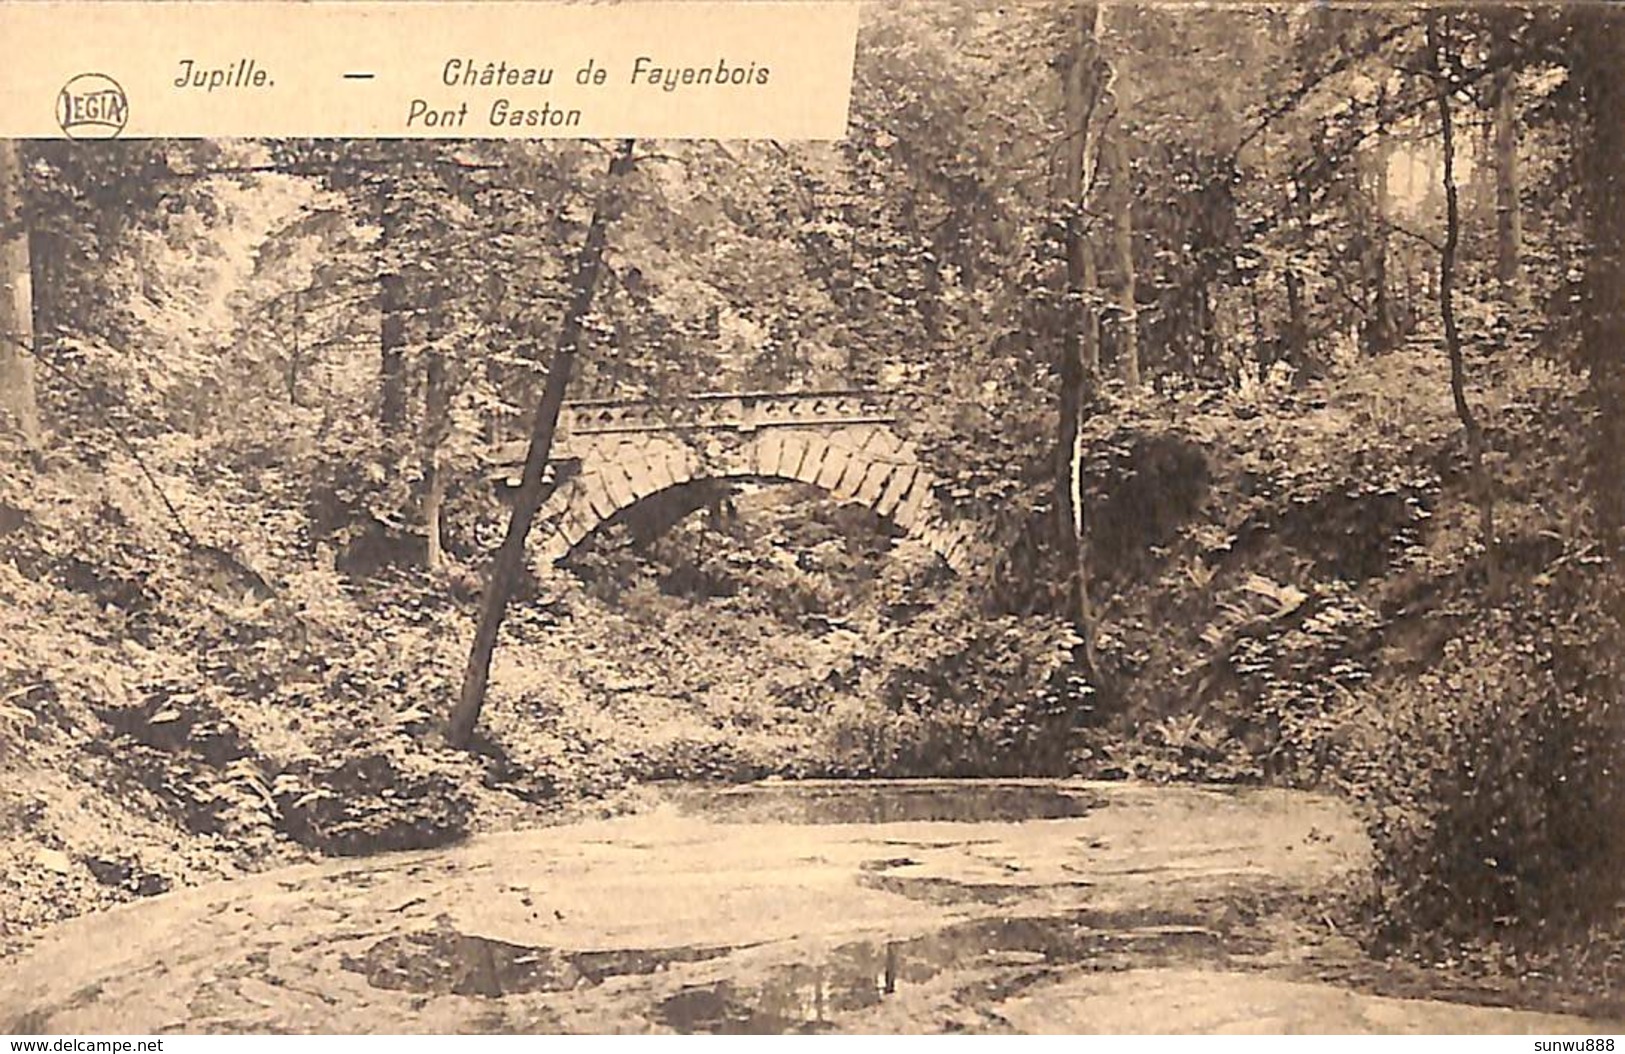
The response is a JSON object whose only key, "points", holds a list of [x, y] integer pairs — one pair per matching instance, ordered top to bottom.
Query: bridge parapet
{"points": [[736, 412]]}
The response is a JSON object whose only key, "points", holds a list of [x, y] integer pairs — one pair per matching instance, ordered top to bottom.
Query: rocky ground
{"points": [[1016, 906]]}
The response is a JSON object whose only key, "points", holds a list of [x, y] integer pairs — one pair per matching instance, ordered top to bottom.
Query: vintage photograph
{"points": [[1130, 539]]}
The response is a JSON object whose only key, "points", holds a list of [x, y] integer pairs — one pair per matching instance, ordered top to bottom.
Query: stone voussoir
{"points": [[630, 451]]}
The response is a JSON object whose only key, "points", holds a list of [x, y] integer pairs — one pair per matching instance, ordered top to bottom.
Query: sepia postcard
{"points": [[898, 518]]}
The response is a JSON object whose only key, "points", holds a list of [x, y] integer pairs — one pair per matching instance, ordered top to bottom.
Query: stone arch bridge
{"points": [[611, 454]]}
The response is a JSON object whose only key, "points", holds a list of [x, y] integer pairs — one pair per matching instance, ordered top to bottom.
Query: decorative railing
{"points": [[739, 412]]}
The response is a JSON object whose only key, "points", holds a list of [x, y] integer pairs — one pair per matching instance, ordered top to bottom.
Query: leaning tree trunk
{"points": [[1444, 86], [1508, 212], [1080, 344], [17, 395], [510, 557]]}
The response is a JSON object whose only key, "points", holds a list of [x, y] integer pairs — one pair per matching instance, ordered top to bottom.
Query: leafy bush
{"points": [[1145, 481], [1290, 663], [981, 696], [1494, 780], [388, 797]]}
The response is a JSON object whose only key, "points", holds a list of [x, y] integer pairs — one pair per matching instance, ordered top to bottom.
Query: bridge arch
{"points": [[825, 440]]}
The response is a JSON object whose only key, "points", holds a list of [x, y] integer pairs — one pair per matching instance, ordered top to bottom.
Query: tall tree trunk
{"points": [[1438, 50], [1600, 72], [1508, 211], [45, 256], [1405, 305], [392, 308], [1088, 312], [1128, 312], [1384, 319], [1297, 320], [1209, 321], [1385, 322], [1297, 325], [1080, 343], [17, 347], [1261, 348], [436, 427], [510, 556]]}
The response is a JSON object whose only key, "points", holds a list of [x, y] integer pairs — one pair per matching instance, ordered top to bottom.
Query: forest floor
{"points": [[1009, 906]]}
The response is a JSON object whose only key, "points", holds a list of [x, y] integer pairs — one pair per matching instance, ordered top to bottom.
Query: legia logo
{"points": [[92, 106]]}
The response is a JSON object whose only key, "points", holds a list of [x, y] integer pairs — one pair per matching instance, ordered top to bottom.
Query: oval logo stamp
{"points": [[92, 106]]}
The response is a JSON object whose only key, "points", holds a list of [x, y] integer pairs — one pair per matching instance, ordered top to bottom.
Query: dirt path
{"points": [[1021, 906]]}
